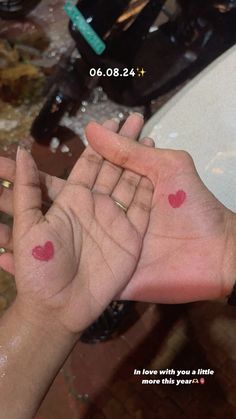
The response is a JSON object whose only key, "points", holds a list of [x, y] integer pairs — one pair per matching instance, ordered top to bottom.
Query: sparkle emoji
{"points": [[141, 72]]}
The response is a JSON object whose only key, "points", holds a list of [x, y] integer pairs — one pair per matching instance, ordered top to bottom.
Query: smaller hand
{"points": [[51, 186], [71, 262]]}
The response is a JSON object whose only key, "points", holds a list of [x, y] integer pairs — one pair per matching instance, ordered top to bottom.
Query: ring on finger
{"points": [[6, 183], [120, 205]]}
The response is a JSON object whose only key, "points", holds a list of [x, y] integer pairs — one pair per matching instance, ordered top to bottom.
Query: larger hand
{"points": [[189, 248]]}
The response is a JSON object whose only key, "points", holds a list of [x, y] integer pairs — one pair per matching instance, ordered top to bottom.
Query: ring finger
{"points": [[124, 191]]}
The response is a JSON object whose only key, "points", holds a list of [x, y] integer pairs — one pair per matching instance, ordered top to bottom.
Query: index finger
{"points": [[124, 152]]}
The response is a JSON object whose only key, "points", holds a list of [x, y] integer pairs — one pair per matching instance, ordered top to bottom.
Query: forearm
{"points": [[31, 353]]}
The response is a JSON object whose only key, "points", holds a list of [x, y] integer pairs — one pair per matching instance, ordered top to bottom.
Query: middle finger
{"points": [[109, 173]]}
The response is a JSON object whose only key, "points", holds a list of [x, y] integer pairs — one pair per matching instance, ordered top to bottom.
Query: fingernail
{"points": [[138, 114], [117, 120], [148, 142], [22, 146], [19, 149], [18, 152]]}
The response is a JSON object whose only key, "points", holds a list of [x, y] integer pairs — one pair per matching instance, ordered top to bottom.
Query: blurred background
{"points": [[47, 96]]}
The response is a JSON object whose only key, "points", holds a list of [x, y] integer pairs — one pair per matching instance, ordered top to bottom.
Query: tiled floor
{"points": [[97, 381]]}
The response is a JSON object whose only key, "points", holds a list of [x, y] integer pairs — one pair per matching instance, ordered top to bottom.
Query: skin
{"points": [[51, 186], [83, 212], [189, 252], [59, 297]]}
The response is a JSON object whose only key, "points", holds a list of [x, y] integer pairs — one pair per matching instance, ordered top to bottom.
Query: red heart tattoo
{"points": [[176, 200], [45, 252]]}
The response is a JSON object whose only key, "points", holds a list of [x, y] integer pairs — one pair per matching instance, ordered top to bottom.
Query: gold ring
{"points": [[6, 183], [120, 205], [2, 250]]}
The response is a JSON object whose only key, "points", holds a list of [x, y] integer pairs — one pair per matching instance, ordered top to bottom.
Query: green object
{"points": [[85, 29]]}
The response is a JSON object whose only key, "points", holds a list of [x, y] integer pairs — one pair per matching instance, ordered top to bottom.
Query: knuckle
{"points": [[122, 156], [184, 156], [92, 158], [179, 159], [112, 166], [131, 180], [74, 183], [31, 184], [146, 185], [101, 188], [141, 205]]}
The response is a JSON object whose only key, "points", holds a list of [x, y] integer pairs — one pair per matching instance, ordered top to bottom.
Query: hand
{"points": [[51, 186], [85, 248], [189, 249]]}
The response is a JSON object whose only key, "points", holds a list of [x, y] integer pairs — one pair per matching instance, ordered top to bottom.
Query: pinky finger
{"points": [[7, 263]]}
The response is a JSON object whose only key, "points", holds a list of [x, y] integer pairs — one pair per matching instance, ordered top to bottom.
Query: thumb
{"points": [[123, 152], [27, 199]]}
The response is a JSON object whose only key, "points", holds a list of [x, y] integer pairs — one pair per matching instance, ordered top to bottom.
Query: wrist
{"points": [[229, 260], [43, 322], [33, 349]]}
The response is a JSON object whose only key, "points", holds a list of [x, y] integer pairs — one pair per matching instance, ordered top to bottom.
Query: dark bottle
{"points": [[15, 9], [200, 32], [132, 37], [120, 47], [105, 49], [178, 50], [124, 52], [74, 83], [66, 94]]}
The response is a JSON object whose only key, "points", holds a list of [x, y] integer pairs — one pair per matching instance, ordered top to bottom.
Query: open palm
{"points": [[188, 243], [95, 245], [185, 254]]}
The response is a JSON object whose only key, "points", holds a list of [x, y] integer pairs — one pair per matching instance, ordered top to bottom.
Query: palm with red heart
{"points": [[189, 248], [71, 262]]}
